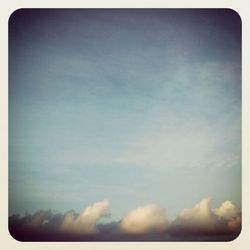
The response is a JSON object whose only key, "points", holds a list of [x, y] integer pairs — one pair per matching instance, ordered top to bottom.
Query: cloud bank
{"points": [[147, 223]]}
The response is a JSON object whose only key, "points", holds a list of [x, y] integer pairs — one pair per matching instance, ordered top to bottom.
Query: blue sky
{"points": [[133, 106]]}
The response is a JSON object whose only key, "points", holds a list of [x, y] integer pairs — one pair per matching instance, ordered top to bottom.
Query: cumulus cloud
{"points": [[227, 210], [230, 214], [150, 218], [198, 218], [201, 219], [85, 223], [148, 223]]}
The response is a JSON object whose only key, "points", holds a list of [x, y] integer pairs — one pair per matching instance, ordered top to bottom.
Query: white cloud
{"points": [[227, 210], [229, 213], [198, 218], [201, 218], [145, 219], [85, 223]]}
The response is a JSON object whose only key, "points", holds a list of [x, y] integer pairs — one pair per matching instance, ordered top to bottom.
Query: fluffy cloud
{"points": [[227, 210], [229, 214], [145, 219], [201, 219], [85, 223]]}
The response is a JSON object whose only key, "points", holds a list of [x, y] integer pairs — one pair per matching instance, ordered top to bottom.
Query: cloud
{"points": [[227, 210], [230, 214], [39, 218], [198, 218], [145, 219], [201, 219], [85, 223], [147, 223]]}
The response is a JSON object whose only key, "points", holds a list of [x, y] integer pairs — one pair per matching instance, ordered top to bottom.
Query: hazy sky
{"points": [[132, 106]]}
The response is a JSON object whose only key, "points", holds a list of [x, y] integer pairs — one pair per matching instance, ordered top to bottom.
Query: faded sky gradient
{"points": [[133, 106]]}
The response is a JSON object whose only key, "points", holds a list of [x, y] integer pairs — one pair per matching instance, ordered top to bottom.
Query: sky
{"points": [[132, 106]]}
